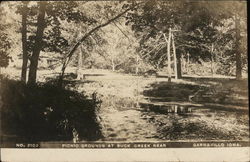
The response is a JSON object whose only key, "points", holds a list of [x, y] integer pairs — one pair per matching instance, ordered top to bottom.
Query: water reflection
{"points": [[166, 109], [177, 122]]}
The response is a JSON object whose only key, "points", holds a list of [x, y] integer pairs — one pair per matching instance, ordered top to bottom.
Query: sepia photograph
{"points": [[124, 74]]}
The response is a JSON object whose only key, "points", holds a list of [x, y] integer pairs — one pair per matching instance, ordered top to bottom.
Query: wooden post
{"points": [[175, 60]]}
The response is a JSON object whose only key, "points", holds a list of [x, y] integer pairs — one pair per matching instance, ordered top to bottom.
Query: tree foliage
{"points": [[200, 25], [205, 29], [5, 42]]}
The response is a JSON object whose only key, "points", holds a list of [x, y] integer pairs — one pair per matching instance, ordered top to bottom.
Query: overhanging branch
{"points": [[68, 57]]}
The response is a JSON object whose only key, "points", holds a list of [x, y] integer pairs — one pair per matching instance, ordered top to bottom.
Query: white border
{"points": [[103, 155]]}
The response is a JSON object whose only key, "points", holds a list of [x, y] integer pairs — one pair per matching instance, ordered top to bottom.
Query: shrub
{"points": [[44, 112]]}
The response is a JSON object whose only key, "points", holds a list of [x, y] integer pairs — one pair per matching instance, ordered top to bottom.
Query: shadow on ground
{"points": [[203, 90], [170, 91], [181, 111], [45, 112]]}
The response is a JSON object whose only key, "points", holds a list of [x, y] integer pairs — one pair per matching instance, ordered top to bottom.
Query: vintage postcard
{"points": [[125, 75]]}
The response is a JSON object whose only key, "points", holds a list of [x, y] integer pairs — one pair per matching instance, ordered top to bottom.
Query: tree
{"points": [[235, 10], [152, 22], [197, 23], [43, 26], [45, 34], [84, 37], [24, 41], [5, 42], [38, 43], [4, 46], [237, 47], [119, 48]]}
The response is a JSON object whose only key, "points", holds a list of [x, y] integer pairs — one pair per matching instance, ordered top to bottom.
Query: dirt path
{"points": [[120, 117]]}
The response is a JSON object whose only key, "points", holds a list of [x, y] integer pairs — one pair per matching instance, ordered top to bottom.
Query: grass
{"points": [[120, 95], [121, 116]]}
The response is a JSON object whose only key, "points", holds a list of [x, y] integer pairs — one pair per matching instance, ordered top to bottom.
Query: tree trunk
{"points": [[24, 42], [38, 43], [238, 51], [168, 54], [68, 57], [212, 59], [176, 61], [188, 62], [183, 63], [79, 65], [113, 65], [137, 66], [179, 66]]}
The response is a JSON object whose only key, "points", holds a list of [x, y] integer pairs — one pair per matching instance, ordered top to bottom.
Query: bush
{"points": [[45, 112]]}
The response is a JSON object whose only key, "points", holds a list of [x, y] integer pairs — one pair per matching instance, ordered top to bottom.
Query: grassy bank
{"points": [[113, 106], [44, 112], [124, 116]]}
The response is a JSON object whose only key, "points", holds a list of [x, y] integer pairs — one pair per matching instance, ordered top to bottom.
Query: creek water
{"points": [[142, 109], [155, 122], [180, 122]]}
